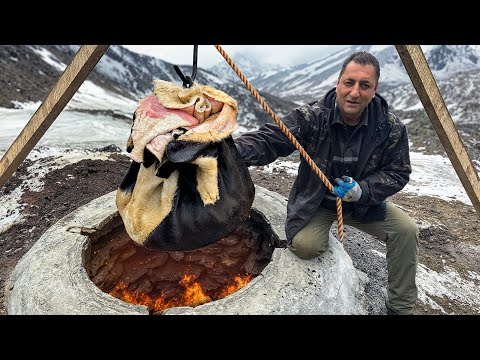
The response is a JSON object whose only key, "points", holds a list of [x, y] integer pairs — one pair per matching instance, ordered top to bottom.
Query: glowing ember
{"points": [[160, 280], [239, 283], [193, 295]]}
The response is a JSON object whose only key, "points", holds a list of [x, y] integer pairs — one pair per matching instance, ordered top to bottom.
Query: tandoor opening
{"points": [[165, 279]]}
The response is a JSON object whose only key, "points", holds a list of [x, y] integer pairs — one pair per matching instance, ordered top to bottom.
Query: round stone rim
{"points": [[51, 277]]}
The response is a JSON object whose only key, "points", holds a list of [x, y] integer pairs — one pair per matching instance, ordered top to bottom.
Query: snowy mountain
{"points": [[445, 60], [251, 67], [455, 67], [122, 77], [119, 80], [309, 81], [304, 82]]}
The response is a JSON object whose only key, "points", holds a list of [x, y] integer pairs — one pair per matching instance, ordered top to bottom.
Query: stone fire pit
{"points": [[52, 277]]}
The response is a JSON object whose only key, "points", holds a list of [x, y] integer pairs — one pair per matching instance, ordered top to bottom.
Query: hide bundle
{"points": [[187, 186]]}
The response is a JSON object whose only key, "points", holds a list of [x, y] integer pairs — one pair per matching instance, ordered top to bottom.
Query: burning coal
{"points": [[161, 280], [193, 294]]}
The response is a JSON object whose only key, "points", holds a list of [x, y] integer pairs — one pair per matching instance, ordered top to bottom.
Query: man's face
{"points": [[355, 89]]}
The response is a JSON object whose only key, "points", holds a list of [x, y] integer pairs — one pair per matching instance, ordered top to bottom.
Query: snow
{"points": [[378, 48], [50, 59], [392, 73], [214, 79], [93, 97], [31, 106], [417, 106], [72, 129], [72, 135], [290, 167], [432, 175], [10, 205], [447, 285]]}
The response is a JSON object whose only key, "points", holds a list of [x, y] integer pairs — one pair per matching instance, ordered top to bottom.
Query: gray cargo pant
{"points": [[398, 231]]}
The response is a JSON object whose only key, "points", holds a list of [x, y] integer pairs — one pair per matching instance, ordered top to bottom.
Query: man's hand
{"points": [[347, 189]]}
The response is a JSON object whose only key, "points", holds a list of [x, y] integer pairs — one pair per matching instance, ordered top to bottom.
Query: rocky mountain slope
{"points": [[252, 68], [29, 72], [307, 82], [449, 241]]}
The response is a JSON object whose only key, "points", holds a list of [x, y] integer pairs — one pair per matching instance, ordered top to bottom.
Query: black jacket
{"points": [[383, 166]]}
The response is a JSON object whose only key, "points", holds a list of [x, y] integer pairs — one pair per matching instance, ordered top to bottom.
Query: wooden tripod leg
{"points": [[72, 78], [427, 90]]}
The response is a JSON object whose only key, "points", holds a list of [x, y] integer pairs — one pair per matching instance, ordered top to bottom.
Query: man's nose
{"points": [[355, 92]]}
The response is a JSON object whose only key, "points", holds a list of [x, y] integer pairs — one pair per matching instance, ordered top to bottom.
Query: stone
{"points": [[51, 278]]}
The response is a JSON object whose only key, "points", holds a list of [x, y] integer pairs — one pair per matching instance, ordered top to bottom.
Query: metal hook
{"points": [[188, 80]]}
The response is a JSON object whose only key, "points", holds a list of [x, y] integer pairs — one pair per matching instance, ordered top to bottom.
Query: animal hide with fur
{"points": [[187, 185]]}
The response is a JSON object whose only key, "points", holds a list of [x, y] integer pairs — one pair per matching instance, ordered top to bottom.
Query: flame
{"points": [[239, 282], [192, 296], [135, 297]]}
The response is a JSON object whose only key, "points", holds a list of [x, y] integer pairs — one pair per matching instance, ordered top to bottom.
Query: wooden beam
{"points": [[417, 68], [72, 78]]}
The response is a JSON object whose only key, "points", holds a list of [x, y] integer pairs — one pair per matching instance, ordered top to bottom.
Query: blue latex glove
{"points": [[347, 189]]}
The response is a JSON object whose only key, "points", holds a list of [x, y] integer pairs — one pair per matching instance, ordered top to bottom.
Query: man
{"points": [[363, 150]]}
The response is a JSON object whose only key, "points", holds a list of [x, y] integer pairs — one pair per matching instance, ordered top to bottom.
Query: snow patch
{"points": [[50, 59], [289, 166], [435, 176], [10, 205], [447, 285]]}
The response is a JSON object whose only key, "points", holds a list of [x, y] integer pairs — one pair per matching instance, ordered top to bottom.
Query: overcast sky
{"points": [[208, 55]]}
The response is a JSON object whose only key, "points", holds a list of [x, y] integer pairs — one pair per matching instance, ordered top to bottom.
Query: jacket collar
{"points": [[378, 125]]}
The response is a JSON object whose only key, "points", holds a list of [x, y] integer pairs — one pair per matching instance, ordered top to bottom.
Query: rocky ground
{"points": [[448, 239]]}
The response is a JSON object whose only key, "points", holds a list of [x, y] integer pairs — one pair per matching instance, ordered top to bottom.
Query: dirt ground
{"points": [[445, 226], [446, 231]]}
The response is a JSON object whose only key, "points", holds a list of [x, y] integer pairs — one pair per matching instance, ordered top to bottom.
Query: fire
{"points": [[239, 282], [193, 294], [135, 297]]}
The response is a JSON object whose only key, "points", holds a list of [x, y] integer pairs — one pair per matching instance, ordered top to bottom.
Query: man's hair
{"points": [[362, 58]]}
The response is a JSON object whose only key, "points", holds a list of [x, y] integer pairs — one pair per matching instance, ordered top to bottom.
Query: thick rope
{"points": [[289, 135]]}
